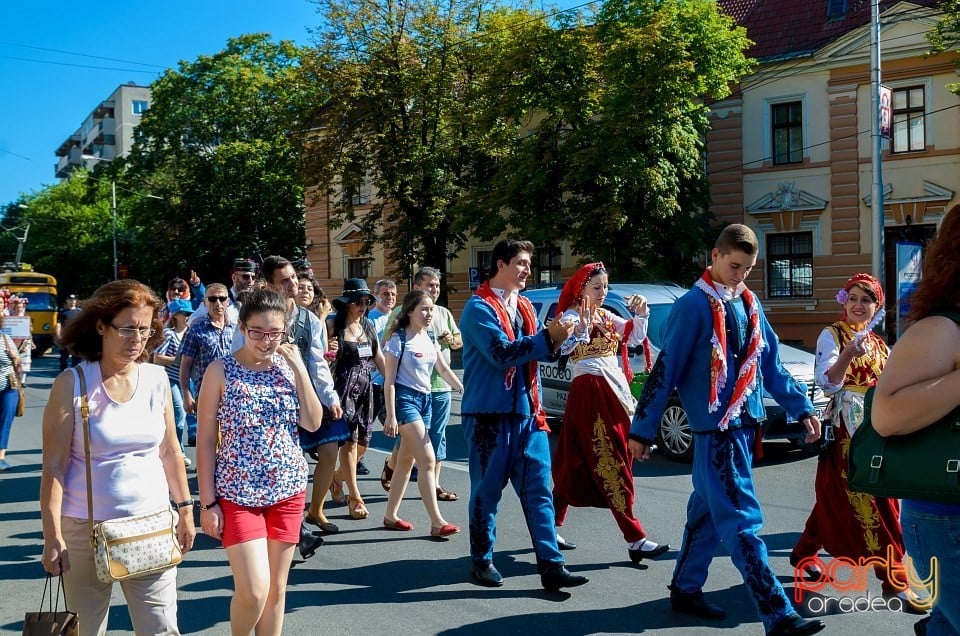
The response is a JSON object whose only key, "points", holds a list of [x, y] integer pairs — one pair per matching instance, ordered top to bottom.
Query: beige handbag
{"points": [[129, 546]]}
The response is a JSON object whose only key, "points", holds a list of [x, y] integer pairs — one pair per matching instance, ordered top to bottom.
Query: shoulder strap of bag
{"points": [[952, 315], [301, 335], [85, 416]]}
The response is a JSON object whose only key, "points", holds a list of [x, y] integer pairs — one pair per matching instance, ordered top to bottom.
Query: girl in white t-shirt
{"points": [[410, 355]]}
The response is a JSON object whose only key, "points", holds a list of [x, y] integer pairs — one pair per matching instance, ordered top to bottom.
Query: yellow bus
{"points": [[41, 292]]}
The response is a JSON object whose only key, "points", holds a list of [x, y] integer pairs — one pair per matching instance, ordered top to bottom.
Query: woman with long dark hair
{"points": [[357, 357]]}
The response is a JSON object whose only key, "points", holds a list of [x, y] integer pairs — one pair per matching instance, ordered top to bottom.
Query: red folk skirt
{"points": [[591, 466]]}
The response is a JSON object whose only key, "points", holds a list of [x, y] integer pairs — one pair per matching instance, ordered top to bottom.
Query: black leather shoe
{"points": [[362, 469], [309, 542], [563, 544], [640, 554], [486, 575], [553, 576], [695, 605], [795, 625]]}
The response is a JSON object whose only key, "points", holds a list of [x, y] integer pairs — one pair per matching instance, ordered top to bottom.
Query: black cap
{"points": [[244, 265]]}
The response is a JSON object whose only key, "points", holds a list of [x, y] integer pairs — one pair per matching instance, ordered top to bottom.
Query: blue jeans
{"points": [[8, 408], [179, 415], [192, 417], [439, 418], [927, 535]]}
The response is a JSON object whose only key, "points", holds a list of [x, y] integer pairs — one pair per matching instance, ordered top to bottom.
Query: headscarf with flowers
{"points": [[864, 281]]}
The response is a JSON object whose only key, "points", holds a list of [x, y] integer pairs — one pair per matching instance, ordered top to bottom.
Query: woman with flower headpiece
{"points": [[850, 358], [592, 466]]}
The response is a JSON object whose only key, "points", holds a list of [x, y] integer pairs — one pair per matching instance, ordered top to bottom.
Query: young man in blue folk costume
{"points": [[720, 353], [504, 424]]}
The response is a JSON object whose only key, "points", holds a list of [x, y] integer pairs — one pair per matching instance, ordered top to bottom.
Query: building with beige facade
{"points": [[107, 132], [791, 152]]}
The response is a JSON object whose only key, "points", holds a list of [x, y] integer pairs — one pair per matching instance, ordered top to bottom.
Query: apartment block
{"points": [[107, 132]]}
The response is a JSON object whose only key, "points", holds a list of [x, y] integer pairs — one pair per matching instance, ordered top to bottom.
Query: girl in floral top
{"points": [[251, 473]]}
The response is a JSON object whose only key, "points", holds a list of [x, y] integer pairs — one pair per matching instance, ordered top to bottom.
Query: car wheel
{"points": [[674, 436]]}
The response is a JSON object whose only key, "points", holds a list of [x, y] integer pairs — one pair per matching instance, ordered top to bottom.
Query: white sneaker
{"points": [[187, 461]]}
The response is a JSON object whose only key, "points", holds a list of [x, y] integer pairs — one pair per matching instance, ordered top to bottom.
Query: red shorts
{"points": [[279, 522]]}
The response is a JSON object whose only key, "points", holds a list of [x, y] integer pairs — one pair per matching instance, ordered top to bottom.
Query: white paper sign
{"points": [[16, 326]]}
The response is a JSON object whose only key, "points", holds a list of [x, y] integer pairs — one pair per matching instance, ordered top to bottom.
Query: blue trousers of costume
{"points": [[509, 448], [724, 507]]}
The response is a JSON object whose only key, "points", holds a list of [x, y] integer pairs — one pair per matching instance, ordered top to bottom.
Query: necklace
{"points": [[355, 331]]}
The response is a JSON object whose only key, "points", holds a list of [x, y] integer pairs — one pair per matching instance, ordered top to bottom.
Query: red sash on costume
{"points": [[529, 324], [747, 374]]}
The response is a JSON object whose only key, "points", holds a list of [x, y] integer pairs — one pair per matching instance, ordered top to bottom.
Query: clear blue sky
{"points": [[46, 94]]}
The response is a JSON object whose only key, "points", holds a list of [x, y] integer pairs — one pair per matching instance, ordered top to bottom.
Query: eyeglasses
{"points": [[248, 276], [217, 299], [362, 301], [133, 332], [269, 336]]}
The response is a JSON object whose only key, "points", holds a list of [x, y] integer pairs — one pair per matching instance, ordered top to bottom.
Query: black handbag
{"points": [[922, 465], [53, 621]]}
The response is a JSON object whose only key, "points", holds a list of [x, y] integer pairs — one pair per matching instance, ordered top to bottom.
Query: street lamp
{"points": [[113, 210]]}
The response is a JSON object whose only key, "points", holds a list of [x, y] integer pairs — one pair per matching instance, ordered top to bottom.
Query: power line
{"points": [[96, 57], [99, 68], [822, 143]]}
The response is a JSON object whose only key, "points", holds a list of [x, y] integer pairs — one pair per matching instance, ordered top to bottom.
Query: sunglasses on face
{"points": [[247, 276], [217, 299], [365, 301]]}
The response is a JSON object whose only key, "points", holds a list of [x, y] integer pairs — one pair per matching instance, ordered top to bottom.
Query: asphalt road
{"points": [[369, 581]]}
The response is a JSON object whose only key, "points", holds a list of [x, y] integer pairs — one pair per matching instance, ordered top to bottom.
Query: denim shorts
{"points": [[412, 406]]}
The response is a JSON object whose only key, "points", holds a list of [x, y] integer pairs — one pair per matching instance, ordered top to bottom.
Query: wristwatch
{"points": [[213, 503], [184, 504]]}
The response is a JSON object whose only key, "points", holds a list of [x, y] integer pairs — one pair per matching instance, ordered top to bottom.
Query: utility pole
{"points": [[876, 197], [113, 208], [20, 243]]}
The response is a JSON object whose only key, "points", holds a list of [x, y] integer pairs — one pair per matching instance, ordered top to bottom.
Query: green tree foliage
{"points": [[945, 35], [398, 114], [218, 145], [611, 154], [71, 232]]}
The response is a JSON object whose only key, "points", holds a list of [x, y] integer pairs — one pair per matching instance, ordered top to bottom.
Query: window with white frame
{"points": [[140, 106], [909, 129], [787, 132], [789, 264]]}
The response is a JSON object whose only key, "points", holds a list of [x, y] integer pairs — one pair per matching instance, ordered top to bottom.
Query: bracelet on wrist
{"points": [[213, 503], [184, 504]]}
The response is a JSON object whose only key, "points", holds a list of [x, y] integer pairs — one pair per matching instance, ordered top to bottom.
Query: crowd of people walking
{"points": [[269, 371]]}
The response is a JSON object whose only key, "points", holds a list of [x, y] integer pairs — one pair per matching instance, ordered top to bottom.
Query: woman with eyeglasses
{"points": [[357, 357], [135, 459], [251, 473]]}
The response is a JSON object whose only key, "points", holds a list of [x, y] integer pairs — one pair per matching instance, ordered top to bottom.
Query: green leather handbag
{"points": [[921, 465]]}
